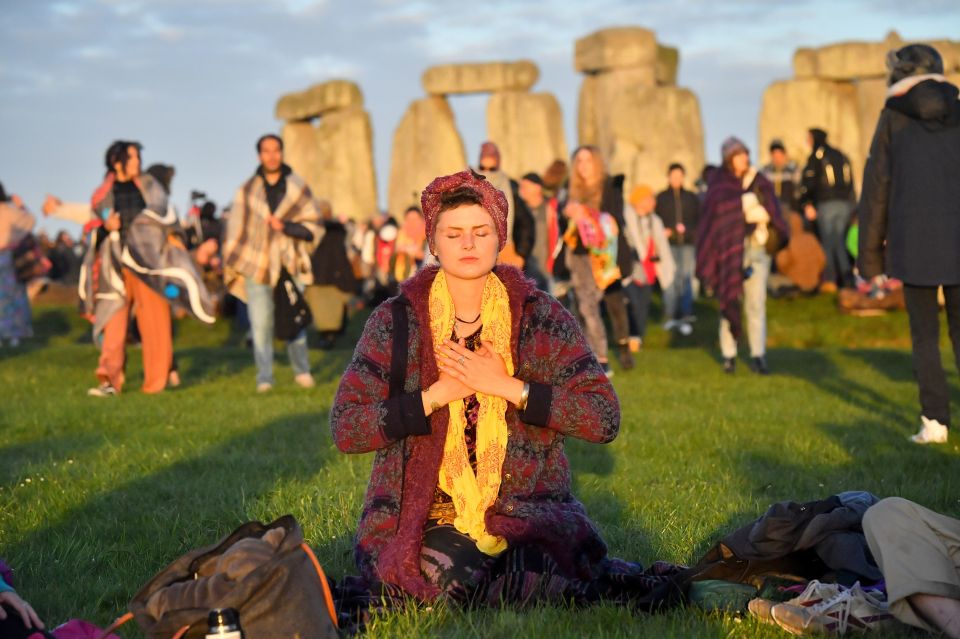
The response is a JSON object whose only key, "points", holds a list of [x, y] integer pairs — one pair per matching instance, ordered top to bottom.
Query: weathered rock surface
{"points": [[615, 48], [668, 64], [480, 77], [597, 94], [319, 99], [652, 127], [528, 129], [425, 144], [336, 159]]}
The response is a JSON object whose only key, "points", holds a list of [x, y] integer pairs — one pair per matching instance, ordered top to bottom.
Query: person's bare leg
{"points": [[940, 612]]}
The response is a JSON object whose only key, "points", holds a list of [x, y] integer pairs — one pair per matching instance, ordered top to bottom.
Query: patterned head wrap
{"points": [[492, 200]]}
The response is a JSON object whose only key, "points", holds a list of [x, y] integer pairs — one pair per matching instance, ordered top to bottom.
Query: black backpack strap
{"points": [[398, 356]]}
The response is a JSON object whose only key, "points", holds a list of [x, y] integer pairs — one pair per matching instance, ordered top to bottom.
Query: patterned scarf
{"points": [[473, 493]]}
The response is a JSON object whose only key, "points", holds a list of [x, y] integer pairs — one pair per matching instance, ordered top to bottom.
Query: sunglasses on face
{"points": [[487, 168]]}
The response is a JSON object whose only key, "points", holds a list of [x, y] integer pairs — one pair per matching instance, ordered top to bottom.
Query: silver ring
{"points": [[460, 361]]}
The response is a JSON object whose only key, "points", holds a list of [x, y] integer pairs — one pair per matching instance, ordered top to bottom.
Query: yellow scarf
{"points": [[473, 494]]}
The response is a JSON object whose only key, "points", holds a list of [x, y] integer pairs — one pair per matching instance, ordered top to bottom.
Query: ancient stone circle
{"points": [[629, 107]]}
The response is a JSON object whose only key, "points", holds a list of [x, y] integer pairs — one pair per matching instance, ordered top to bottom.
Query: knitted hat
{"points": [[913, 59], [777, 145], [731, 146], [489, 150], [533, 177], [640, 193], [492, 200]]}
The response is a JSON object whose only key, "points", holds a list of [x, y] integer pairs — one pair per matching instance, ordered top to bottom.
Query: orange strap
{"points": [[327, 595], [119, 621], [181, 632]]}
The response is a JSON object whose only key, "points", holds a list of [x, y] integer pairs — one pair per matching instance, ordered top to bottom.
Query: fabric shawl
{"points": [[15, 224], [639, 233], [720, 245], [251, 249], [147, 250], [473, 493]]}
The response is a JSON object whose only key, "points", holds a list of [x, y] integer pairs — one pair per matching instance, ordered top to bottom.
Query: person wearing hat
{"points": [[784, 174], [741, 211], [543, 214], [910, 216], [520, 231], [653, 259], [469, 496]]}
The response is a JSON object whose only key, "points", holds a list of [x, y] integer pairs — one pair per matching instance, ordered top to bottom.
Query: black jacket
{"points": [[828, 174], [910, 209], [688, 214], [524, 227], [331, 266]]}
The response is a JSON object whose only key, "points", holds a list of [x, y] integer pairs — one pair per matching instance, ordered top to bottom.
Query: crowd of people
{"points": [[492, 346]]}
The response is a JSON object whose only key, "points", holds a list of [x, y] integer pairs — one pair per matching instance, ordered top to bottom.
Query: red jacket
{"points": [[569, 396]]}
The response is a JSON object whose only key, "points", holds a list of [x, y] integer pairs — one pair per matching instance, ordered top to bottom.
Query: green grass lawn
{"points": [[98, 495]]}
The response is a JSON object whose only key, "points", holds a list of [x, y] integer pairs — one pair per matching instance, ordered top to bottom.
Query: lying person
{"points": [[469, 496], [918, 552]]}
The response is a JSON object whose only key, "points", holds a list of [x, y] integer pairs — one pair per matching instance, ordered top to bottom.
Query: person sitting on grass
{"points": [[469, 496], [17, 617]]}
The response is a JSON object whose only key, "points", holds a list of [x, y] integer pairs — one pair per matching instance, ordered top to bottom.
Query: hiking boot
{"points": [[684, 329], [624, 356], [729, 365], [759, 365], [305, 380], [264, 387], [105, 389], [931, 432], [762, 609], [848, 610]]}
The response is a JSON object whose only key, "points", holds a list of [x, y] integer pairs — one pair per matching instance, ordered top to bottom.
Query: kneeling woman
{"points": [[469, 496]]}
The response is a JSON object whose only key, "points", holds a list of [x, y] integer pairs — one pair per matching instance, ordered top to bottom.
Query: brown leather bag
{"points": [[287, 596]]}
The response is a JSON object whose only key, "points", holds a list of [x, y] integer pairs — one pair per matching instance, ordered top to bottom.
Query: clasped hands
{"points": [[464, 372]]}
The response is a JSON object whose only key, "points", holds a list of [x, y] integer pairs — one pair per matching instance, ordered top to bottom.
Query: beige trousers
{"points": [[918, 552]]}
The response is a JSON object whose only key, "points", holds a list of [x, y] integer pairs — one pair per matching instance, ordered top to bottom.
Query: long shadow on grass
{"points": [[47, 324], [16, 459], [118, 539]]}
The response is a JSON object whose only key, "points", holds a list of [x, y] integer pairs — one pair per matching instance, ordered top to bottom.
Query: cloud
{"points": [[65, 9], [92, 52], [324, 67]]}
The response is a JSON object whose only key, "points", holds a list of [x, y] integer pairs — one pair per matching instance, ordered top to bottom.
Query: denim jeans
{"points": [[832, 219], [755, 259], [680, 293], [639, 298], [260, 311], [924, 311]]}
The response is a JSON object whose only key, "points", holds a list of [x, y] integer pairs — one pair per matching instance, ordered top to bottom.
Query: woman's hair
{"points": [[119, 151], [579, 190], [463, 196]]}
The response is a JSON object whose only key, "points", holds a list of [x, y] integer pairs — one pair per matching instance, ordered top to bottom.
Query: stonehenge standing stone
{"points": [[484, 77], [840, 88], [631, 109], [653, 127], [528, 129], [425, 144], [335, 157]]}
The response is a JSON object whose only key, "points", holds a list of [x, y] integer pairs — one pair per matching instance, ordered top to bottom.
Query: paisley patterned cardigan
{"points": [[569, 396]]}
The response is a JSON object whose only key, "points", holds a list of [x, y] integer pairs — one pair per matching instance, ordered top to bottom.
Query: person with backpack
{"points": [[827, 198], [910, 217], [273, 228], [466, 386]]}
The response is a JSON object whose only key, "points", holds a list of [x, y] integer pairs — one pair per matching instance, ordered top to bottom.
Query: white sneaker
{"points": [[669, 325], [685, 329], [14, 342], [305, 380], [264, 387], [103, 390], [931, 432], [849, 610]]}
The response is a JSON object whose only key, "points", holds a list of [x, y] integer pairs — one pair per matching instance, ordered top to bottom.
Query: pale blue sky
{"points": [[196, 80]]}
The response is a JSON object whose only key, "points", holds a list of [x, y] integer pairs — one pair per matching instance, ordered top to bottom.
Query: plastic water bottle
{"points": [[224, 623]]}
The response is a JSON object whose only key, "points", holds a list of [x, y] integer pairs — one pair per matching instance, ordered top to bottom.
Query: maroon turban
{"points": [[492, 200]]}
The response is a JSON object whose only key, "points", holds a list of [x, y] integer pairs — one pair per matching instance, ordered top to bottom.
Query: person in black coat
{"points": [[680, 211], [910, 216]]}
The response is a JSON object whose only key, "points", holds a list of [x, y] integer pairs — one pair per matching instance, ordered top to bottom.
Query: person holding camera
{"points": [[653, 259]]}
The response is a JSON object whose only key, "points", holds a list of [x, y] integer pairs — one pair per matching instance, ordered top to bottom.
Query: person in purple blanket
{"points": [[740, 222], [469, 497], [17, 617]]}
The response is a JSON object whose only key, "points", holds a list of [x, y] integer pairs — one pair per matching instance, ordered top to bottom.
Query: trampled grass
{"points": [[98, 495]]}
